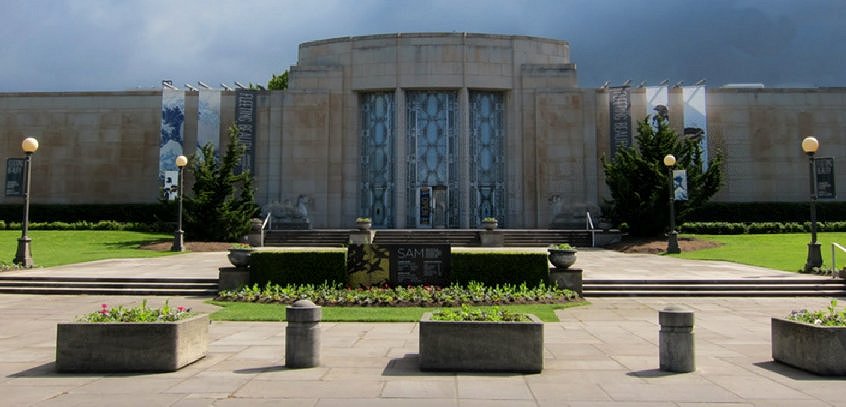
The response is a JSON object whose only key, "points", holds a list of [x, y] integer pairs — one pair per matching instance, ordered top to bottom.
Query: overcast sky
{"points": [[78, 45]]}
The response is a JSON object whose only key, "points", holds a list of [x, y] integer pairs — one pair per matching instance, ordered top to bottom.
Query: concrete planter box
{"points": [[130, 346], [469, 346], [817, 349]]}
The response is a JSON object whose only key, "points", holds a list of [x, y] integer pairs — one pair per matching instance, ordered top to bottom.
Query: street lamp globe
{"points": [[29, 145], [810, 145], [669, 160], [181, 161]]}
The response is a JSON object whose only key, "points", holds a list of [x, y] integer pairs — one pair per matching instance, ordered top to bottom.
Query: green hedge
{"points": [[784, 212], [142, 213], [85, 225], [733, 228], [298, 267], [492, 268]]}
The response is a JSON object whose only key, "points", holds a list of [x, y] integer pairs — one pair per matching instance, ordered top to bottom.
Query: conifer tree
{"points": [[640, 183], [223, 201]]}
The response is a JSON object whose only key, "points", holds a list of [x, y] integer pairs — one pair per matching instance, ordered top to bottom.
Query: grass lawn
{"points": [[55, 247], [786, 252], [252, 311]]}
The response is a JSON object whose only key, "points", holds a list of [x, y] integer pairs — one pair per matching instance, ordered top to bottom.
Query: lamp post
{"points": [[810, 146], [181, 162], [673, 241], [23, 256]]}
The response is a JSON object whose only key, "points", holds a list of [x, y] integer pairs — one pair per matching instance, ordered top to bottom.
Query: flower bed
{"points": [[136, 339], [812, 340], [492, 344]]}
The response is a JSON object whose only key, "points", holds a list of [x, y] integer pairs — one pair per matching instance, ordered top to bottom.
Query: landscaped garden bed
{"points": [[138, 339], [481, 341], [814, 341]]}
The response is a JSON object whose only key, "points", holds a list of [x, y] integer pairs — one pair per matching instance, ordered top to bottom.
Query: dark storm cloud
{"points": [[115, 45]]}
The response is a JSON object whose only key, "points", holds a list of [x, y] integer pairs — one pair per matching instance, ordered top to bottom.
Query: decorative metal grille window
{"points": [[432, 140], [377, 163], [487, 174]]}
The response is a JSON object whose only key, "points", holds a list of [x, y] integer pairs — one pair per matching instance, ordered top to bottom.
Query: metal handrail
{"points": [[589, 221], [263, 227], [833, 252]]}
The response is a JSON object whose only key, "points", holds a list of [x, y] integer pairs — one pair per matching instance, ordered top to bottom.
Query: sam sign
{"points": [[14, 176]]}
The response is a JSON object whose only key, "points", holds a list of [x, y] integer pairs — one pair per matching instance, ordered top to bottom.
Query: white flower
{"points": [[817, 322]]}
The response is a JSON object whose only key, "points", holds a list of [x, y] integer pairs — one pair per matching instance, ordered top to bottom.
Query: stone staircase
{"points": [[455, 237], [205, 287], [788, 287]]}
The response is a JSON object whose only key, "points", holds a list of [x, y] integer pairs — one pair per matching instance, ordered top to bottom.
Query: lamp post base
{"points": [[177, 241], [673, 243], [23, 257], [814, 257]]}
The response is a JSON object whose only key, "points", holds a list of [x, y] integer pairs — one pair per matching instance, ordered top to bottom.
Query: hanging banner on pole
{"points": [[657, 102], [696, 118], [621, 119], [208, 120], [245, 120], [171, 140], [14, 176], [824, 178], [680, 185]]}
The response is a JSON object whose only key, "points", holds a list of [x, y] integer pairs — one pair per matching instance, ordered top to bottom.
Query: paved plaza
{"points": [[598, 355]]}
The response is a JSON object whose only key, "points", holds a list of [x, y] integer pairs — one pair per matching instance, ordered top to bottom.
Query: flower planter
{"points": [[364, 225], [490, 225], [240, 257], [562, 258], [130, 346], [472, 346], [817, 349]]}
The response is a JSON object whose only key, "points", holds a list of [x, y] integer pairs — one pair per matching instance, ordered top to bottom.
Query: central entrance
{"points": [[432, 145]]}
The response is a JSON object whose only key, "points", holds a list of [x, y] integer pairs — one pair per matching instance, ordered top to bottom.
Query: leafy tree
{"points": [[278, 82], [640, 183], [223, 201]]}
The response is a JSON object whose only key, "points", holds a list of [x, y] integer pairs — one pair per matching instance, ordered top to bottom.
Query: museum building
{"points": [[419, 130]]}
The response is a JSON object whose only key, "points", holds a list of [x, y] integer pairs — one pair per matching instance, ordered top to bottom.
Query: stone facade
{"points": [[327, 142]]}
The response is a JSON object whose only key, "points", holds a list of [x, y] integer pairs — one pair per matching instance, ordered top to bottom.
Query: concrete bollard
{"points": [[302, 335], [676, 344]]}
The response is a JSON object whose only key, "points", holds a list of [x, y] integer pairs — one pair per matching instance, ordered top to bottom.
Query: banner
{"points": [[657, 102], [173, 118], [696, 118], [208, 120], [621, 120], [245, 121], [14, 176], [824, 178], [680, 185]]}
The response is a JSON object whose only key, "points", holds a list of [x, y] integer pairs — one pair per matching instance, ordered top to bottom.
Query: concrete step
{"points": [[108, 286], [715, 288]]}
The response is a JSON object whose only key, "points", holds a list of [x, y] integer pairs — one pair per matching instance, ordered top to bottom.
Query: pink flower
{"points": [[180, 308]]}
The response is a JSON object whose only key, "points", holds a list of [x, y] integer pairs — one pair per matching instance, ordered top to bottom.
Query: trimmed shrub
{"points": [[827, 211], [143, 213], [298, 267], [492, 268]]}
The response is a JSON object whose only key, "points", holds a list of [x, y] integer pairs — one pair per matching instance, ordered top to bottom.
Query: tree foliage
{"points": [[278, 82], [640, 183], [223, 201]]}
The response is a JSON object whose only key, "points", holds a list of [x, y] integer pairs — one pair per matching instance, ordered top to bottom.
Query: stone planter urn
{"points": [[363, 223], [490, 223], [240, 257], [562, 258], [130, 346], [478, 346], [817, 349]]}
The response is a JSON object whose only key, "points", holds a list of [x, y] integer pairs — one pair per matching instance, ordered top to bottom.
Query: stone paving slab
{"points": [[604, 354]]}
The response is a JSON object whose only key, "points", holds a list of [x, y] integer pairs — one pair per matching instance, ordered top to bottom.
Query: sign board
{"points": [[621, 119], [14, 176], [824, 178], [398, 264], [417, 264]]}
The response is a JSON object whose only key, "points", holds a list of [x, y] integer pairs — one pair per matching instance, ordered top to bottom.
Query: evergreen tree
{"points": [[640, 183], [223, 201]]}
